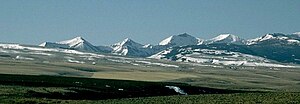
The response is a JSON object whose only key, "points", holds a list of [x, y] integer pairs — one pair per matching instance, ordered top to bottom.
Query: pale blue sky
{"points": [[105, 22]]}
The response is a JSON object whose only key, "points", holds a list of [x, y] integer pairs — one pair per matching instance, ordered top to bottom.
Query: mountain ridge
{"points": [[227, 39], [77, 43], [259, 46]]}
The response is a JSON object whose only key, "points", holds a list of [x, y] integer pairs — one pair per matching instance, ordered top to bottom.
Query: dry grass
{"points": [[142, 76]]}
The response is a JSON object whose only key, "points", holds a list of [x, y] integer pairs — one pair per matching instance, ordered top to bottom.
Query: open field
{"points": [[142, 76], [28, 87], [19, 89]]}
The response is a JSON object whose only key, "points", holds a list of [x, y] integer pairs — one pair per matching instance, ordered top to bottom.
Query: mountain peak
{"points": [[184, 35], [79, 38], [226, 38], [128, 40], [180, 40], [73, 41], [125, 43], [44, 44], [129, 47]]}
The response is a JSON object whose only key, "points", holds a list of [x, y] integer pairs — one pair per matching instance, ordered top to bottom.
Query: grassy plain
{"points": [[142, 76], [242, 78], [278, 85]]}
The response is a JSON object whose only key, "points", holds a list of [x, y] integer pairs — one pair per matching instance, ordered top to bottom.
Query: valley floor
{"points": [[24, 89]]}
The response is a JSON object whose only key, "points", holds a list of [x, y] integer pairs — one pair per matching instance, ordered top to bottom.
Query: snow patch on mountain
{"points": [[297, 33], [200, 41], [293, 41], [148, 46], [160, 55], [24, 58], [75, 61], [158, 64]]}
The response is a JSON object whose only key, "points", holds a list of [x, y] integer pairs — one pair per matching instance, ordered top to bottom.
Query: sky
{"points": [[104, 22]]}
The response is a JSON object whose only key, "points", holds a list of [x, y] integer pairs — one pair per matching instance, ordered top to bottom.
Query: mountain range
{"points": [[276, 46]]}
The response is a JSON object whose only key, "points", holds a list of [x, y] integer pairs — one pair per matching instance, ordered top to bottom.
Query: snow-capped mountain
{"points": [[276, 38], [227, 39], [180, 40], [77, 43], [126, 43], [80, 44], [276, 46], [131, 48]]}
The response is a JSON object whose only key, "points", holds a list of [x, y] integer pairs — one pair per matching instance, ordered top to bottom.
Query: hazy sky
{"points": [[104, 22]]}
